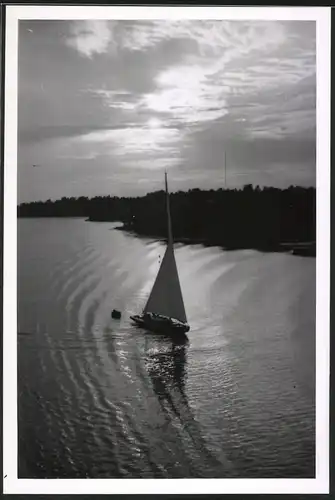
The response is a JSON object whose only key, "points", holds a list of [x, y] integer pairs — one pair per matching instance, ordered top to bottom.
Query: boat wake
{"points": [[111, 400]]}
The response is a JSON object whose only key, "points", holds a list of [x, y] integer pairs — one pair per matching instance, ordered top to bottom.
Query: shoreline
{"points": [[303, 249]]}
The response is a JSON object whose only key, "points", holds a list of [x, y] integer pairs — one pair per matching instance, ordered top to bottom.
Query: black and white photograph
{"points": [[168, 193]]}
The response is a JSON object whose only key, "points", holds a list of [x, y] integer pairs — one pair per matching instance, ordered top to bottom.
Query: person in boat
{"points": [[156, 316]]}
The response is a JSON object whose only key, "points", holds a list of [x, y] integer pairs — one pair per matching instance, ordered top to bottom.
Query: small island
{"points": [[267, 218]]}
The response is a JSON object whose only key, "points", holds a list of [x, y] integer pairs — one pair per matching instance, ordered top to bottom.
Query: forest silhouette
{"points": [[265, 218]]}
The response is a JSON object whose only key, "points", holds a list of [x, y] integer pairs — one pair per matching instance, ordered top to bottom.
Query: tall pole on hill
{"points": [[225, 170]]}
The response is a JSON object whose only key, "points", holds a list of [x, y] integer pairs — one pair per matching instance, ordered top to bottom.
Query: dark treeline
{"points": [[263, 218]]}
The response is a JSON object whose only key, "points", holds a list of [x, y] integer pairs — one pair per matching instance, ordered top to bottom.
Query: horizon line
{"points": [[241, 188]]}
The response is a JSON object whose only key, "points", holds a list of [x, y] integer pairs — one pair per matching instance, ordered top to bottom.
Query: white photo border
{"points": [[14, 485]]}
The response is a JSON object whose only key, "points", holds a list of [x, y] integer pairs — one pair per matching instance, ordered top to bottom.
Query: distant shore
{"points": [[267, 219], [306, 249]]}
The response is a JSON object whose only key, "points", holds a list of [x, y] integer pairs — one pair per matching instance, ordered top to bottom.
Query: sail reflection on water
{"points": [[166, 365]]}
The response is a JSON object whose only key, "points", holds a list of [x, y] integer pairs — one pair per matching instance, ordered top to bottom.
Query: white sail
{"points": [[166, 297]]}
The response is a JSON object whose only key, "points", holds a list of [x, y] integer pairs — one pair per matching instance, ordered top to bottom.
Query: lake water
{"points": [[100, 398]]}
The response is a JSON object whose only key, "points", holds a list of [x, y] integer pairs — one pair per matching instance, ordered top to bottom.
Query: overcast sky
{"points": [[105, 107]]}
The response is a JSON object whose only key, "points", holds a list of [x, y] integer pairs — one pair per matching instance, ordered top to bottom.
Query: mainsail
{"points": [[166, 297]]}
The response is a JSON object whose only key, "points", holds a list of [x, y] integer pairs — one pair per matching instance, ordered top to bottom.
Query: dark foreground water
{"points": [[101, 398]]}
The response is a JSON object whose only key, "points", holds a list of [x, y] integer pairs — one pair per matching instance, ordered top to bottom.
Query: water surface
{"points": [[100, 398]]}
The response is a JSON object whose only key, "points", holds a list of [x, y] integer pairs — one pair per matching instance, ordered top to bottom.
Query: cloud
{"points": [[210, 36], [89, 37], [235, 59], [229, 60], [250, 80], [204, 86], [186, 93], [117, 99], [59, 131], [137, 143]]}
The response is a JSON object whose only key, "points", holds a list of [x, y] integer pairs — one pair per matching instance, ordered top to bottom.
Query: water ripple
{"points": [[109, 400]]}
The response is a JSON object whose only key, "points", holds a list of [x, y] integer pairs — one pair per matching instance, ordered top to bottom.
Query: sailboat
{"points": [[164, 311]]}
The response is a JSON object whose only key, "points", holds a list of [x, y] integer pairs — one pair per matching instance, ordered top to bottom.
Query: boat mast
{"points": [[170, 240], [166, 296]]}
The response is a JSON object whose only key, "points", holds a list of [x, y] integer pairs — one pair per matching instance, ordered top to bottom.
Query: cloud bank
{"points": [[137, 96]]}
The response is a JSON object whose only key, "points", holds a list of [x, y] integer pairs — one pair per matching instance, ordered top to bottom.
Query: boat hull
{"points": [[165, 327]]}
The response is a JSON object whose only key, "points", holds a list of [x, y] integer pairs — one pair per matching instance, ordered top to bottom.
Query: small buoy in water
{"points": [[116, 314]]}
